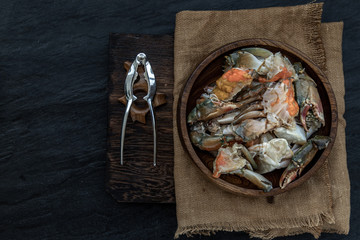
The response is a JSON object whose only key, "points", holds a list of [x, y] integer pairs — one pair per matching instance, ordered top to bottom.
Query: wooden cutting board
{"points": [[138, 180]]}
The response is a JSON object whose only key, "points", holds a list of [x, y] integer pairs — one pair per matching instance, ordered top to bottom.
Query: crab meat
{"points": [[279, 101], [293, 134], [272, 155]]}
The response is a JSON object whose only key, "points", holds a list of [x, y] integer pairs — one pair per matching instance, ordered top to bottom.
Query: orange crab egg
{"points": [[237, 75], [229, 81]]}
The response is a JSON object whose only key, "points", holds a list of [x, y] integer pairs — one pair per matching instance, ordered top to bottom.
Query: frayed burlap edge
{"points": [[262, 228]]}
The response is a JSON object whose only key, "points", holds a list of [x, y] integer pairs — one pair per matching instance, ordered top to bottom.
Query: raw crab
{"points": [[250, 58], [248, 63], [273, 66], [232, 82], [307, 95], [279, 100], [255, 103], [210, 107], [280, 108], [253, 118], [251, 129], [293, 134], [207, 142], [271, 155], [302, 158], [237, 160]]}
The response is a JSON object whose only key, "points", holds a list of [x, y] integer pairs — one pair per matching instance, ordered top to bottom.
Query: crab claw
{"points": [[307, 96], [313, 104], [303, 112], [321, 142], [302, 158], [289, 175]]}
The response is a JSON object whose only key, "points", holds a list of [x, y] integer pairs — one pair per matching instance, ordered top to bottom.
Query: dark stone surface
{"points": [[53, 75]]}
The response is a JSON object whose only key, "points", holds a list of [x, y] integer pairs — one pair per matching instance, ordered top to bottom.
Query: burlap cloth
{"points": [[322, 204]]}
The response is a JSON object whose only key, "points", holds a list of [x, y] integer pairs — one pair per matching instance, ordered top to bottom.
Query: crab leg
{"points": [[252, 92], [210, 109], [249, 115], [230, 117], [227, 118], [251, 129], [207, 142], [248, 156], [302, 158], [259, 180]]}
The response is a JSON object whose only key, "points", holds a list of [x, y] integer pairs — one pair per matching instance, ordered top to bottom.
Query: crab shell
{"points": [[258, 59], [273, 66], [231, 83], [227, 161]]}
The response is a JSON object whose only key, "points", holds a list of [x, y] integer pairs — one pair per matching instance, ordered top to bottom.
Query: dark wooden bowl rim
{"points": [[183, 130]]}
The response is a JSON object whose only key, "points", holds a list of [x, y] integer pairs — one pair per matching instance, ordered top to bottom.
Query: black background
{"points": [[53, 115]]}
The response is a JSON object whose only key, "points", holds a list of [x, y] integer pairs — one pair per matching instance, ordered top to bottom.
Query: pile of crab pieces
{"points": [[260, 115]]}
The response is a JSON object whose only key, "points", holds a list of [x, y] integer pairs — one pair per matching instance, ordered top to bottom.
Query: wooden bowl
{"points": [[208, 71]]}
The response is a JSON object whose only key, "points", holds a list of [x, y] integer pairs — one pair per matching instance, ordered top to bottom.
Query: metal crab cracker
{"points": [[130, 97]]}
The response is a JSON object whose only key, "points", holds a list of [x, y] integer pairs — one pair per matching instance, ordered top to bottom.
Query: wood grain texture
{"points": [[209, 71], [137, 180]]}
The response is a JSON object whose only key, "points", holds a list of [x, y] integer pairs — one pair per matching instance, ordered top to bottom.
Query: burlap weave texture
{"points": [[320, 204]]}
